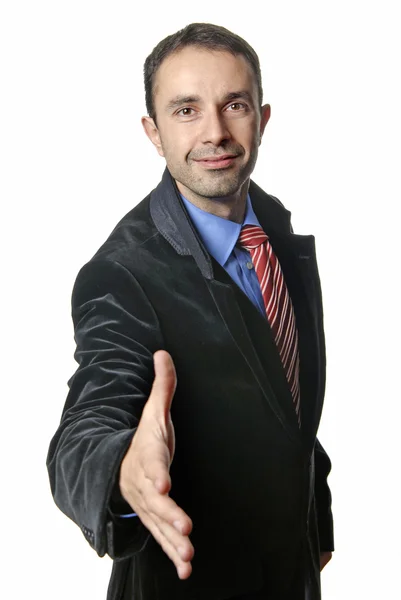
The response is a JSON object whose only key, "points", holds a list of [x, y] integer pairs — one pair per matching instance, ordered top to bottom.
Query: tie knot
{"points": [[251, 237]]}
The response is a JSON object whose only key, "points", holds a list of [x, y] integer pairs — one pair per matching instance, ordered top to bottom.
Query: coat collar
{"points": [[172, 221]]}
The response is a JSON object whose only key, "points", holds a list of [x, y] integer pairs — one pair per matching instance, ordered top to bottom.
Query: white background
{"points": [[74, 160]]}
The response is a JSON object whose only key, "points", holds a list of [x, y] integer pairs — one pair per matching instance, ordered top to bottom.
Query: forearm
{"points": [[115, 339], [82, 465]]}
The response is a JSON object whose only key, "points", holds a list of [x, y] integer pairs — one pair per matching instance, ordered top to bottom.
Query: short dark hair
{"points": [[202, 35]]}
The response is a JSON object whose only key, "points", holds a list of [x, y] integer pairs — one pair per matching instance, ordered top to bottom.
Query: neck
{"points": [[231, 207]]}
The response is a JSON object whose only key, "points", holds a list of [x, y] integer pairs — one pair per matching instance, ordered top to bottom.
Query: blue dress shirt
{"points": [[220, 238]]}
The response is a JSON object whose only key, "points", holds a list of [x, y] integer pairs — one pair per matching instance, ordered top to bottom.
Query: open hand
{"points": [[144, 475], [325, 557]]}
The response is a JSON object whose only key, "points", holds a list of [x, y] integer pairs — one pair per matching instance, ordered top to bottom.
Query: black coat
{"points": [[253, 483]]}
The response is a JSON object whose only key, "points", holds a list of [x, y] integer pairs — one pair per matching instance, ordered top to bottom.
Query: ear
{"points": [[265, 116], [153, 133]]}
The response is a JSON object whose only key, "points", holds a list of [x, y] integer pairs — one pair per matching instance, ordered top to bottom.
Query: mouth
{"points": [[217, 162]]}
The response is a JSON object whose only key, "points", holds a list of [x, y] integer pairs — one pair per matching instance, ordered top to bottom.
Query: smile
{"points": [[215, 162]]}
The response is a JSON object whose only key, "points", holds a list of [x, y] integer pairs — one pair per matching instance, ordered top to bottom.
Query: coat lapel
{"points": [[297, 256], [248, 328], [252, 335]]}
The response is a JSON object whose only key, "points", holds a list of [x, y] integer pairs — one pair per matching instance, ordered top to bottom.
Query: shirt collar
{"points": [[217, 234]]}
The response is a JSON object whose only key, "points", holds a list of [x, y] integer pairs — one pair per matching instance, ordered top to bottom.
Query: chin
{"points": [[217, 183], [221, 186], [216, 191]]}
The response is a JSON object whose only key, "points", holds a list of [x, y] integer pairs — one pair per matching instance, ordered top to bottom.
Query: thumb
{"points": [[164, 384]]}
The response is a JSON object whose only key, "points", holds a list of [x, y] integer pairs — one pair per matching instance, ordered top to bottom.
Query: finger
{"points": [[164, 384], [155, 468], [160, 506], [163, 508], [176, 535], [181, 543], [184, 568]]}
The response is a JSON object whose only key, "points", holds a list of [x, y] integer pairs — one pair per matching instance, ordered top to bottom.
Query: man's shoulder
{"points": [[265, 199], [269, 209], [131, 232], [128, 251]]}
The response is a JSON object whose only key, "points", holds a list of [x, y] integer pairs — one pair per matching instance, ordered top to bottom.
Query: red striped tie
{"points": [[279, 310]]}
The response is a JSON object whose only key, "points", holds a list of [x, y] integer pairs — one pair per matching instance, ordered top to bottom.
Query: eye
{"points": [[236, 106], [185, 112]]}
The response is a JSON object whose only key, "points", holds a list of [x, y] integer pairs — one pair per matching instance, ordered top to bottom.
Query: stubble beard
{"points": [[212, 183]]}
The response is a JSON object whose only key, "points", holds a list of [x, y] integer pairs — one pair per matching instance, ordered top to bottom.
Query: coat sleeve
{"points": [[116, 334], [323, 499]]}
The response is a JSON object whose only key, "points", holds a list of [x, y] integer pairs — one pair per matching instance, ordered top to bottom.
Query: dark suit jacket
{"points": [[253, 483]]}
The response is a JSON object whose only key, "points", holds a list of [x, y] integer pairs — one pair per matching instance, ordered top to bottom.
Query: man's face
{"points": [[209, 123]]}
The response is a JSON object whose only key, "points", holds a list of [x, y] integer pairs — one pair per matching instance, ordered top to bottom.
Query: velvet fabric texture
{"points": [[254, 484]]}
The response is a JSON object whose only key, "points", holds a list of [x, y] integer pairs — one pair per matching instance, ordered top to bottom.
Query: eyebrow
{"points": [[237, 95], [181, 99], [178, 100]]}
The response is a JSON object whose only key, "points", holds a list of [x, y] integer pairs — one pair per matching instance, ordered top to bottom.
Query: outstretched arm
{"points": [[93, 451]]}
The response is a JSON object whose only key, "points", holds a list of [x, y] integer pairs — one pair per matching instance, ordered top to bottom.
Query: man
{"points": [[200, 339]]}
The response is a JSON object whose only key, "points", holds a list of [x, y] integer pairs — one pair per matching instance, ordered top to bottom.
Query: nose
{"points": [[215, 129]]}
